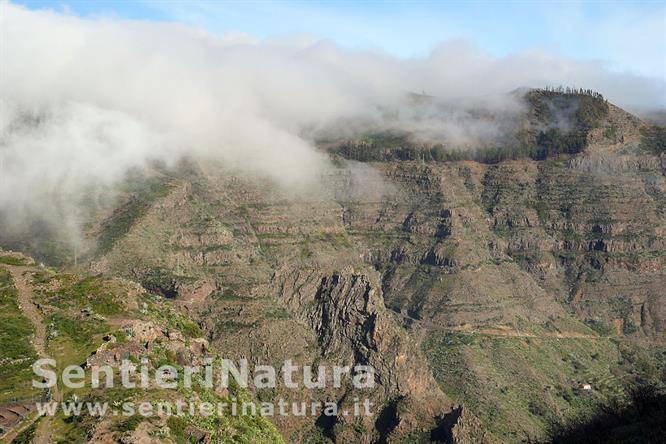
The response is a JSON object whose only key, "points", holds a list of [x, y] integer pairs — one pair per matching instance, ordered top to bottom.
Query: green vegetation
{"points": [[587, 106], [567, 115], [561, 121], [611, 133], [653, 140], [554, 141], [374, 150], [466, 174], [143, 192], [11, 260], [160, 280], [94, 294], [228, 294], [622, 308], [160, 310], [77, 312], [278, 313], [229, 326], [599, 326], [79, 330], [72, 338], [16, 352], [519, 386], [129, 424], [224, 428], [73, 429], [178, 430], [311, 435], [26, 436], [416, 437]]}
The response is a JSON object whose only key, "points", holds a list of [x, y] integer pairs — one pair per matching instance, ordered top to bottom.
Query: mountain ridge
{"points": [[489, 290]]}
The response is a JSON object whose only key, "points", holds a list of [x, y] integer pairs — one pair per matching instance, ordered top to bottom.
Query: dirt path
{"points": [[29, 308], [31, 311], [500, 331], [508, 332]]}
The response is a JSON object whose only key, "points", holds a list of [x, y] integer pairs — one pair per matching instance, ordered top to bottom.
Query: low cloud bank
{"points": [[83, 100]]}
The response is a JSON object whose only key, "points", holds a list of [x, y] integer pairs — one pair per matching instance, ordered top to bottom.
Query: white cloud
{"points": [[113, 93]]}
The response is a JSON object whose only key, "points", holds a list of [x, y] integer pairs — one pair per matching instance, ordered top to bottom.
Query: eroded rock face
{"points": [[601, 232], [346, 312], [468, 429]]}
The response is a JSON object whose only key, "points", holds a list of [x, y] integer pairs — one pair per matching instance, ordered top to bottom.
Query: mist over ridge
{"points": [[84, 100]]}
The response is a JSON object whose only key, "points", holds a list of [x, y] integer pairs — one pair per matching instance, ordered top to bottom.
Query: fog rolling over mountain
{"points": [[113, 93], [483, 229]]}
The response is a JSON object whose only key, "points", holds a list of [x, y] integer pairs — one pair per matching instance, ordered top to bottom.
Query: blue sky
{"points": [[627, 36]]}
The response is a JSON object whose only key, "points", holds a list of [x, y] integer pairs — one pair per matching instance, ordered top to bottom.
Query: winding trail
{"points": [[31, 310], [498, 331]]}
